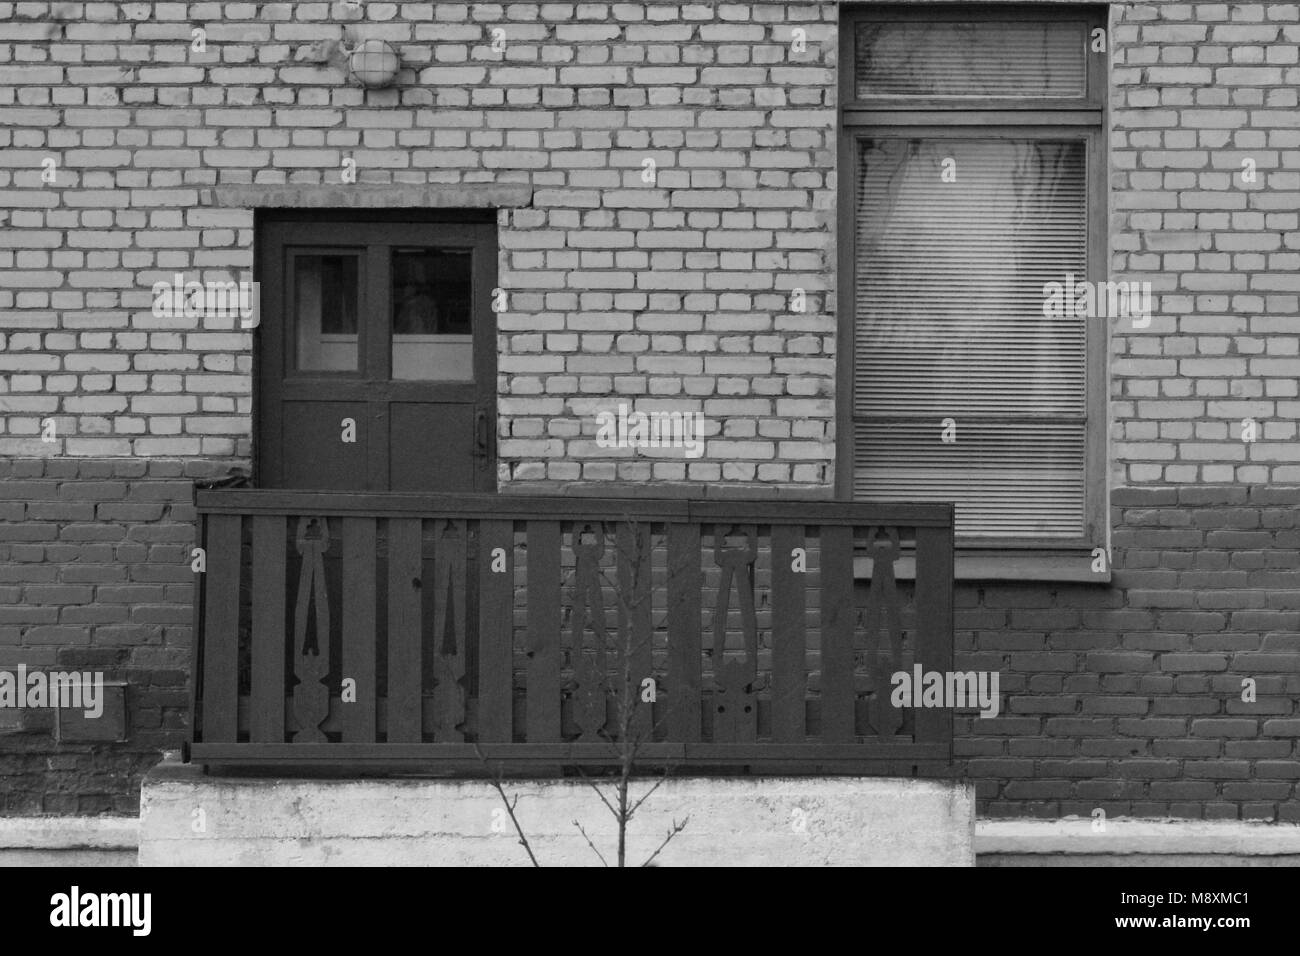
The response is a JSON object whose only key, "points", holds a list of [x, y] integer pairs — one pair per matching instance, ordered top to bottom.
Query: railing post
{"points": [[934, 584], [496, 589], [838, 620], [634, 621], [269, 629], [221, 630], [359, 646], [405, 664], [789, 664], [684, 665], [543, 700]]}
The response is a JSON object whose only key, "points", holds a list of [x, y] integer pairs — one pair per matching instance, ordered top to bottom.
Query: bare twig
{"points": [[658, 783], [594, 786], [510, 805], [677, 828], [589, 843]]}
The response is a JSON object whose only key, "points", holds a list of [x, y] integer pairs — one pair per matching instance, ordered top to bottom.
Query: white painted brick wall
{"points": [[620, 290]]}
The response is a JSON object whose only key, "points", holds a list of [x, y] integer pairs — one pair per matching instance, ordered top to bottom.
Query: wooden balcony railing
{"points": [[436, 633]]}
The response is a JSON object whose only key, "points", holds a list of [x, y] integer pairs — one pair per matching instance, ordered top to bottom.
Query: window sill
{"points": [[1062, 566]]}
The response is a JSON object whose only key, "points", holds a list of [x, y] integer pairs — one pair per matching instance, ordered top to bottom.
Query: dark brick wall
{"points": [[95, 576], [1124, 697], [1128, 697]]}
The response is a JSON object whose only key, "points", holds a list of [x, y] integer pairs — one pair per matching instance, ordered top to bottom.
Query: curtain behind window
{"points": [[950, 325]]}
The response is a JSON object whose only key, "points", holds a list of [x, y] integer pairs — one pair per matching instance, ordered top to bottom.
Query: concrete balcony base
{"points": [[188, 818]]}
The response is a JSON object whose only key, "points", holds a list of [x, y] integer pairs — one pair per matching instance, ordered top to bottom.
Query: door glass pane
{"points": [[432, 307], [325, 312]]}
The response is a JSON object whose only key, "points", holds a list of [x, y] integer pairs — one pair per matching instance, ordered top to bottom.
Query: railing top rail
{"points": [[396, 504]]}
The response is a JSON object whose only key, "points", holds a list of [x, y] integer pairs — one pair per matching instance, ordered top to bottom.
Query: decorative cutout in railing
{"points": [[884, 629], [449, 633], [311, 657], [735, 703]]}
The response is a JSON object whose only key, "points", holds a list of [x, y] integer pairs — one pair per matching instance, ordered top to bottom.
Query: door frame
{"points": [[278, 230]]}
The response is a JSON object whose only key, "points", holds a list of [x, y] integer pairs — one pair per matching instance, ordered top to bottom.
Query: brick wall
{"points": [[1196, 89], [675, 292], [95, 576], [1125, 697], [1130, 698]]}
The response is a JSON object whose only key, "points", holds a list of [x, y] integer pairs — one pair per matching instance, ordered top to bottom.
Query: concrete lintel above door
{"points": [[395, 196]]}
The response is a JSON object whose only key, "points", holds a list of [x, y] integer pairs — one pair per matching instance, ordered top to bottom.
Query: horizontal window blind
{"points": [[977, 58], [950, 324], [1002, 483]]}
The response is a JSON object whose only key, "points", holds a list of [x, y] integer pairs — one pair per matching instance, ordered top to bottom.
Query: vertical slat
{"points": [[934, 573], [837, 622], [196, 629], [221, 631], [269, 631], [635, 635], [496, 636], [404, 662], [684, 667], [543, 672], [789, 677], [359, 717]]}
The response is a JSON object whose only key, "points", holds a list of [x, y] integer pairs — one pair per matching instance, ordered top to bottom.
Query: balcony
{"points": [[462, 635]]}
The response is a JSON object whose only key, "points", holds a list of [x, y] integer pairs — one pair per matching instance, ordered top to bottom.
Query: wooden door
{"points": [[376, 359]]}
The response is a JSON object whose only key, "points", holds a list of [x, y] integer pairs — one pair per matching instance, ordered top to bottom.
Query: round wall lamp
{"points": [[374, 64]]}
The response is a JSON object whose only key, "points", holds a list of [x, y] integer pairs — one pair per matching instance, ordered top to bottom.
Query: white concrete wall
{"points": [[191, 819]]}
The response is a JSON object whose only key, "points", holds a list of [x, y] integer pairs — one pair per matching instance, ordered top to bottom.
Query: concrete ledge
{"points": [[396, 196], [667, 490], [191, 819], [68, 833], [69, 841], [114, 841], [1129, 842]]}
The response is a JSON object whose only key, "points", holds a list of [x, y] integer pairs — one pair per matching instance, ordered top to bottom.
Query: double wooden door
{"points": [[376, 359]]}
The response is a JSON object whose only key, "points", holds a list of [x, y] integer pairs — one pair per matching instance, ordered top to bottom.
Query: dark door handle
{"points": [[481, 433]]}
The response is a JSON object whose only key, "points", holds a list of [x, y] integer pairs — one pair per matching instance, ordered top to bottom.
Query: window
{"points": [[972, 180], [325, 292], [432, 326]]}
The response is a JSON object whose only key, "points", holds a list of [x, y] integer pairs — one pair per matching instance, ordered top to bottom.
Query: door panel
{"points": [[420, 437], [315, 453]]}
